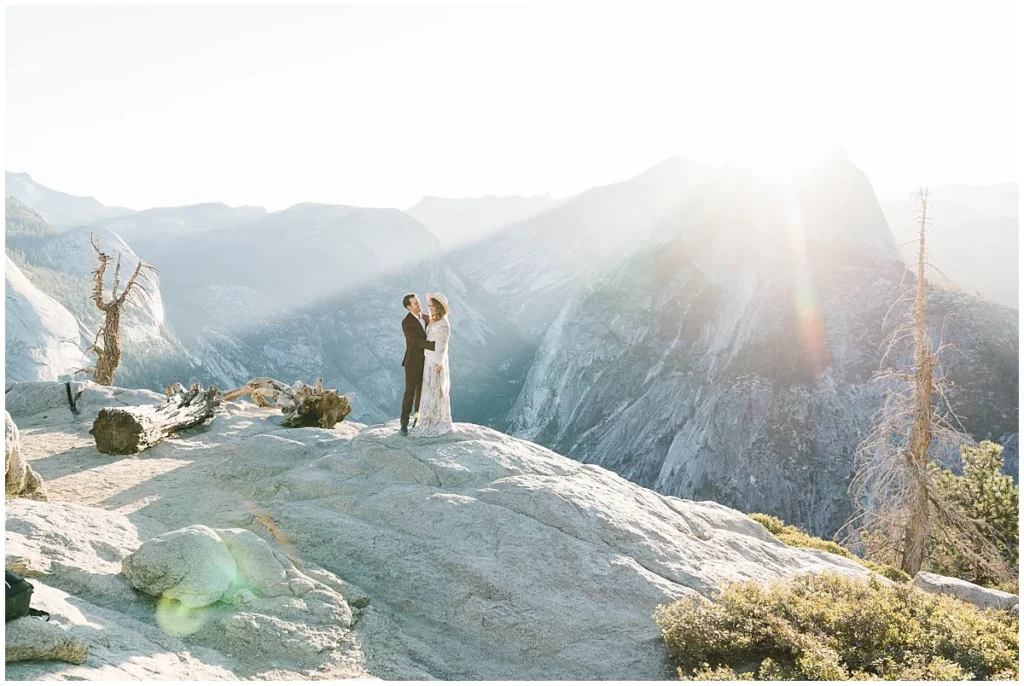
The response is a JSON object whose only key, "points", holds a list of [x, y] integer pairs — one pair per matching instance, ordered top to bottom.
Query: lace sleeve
{"points": [[441, 347]]}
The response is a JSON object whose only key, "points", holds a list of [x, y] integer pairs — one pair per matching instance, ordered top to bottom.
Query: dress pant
{"points": [[413, 387]]}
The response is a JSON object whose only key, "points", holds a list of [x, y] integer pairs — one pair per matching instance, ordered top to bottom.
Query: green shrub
{"points": [[988, 497], [774, 525], [790, 535], [799, 539], [888, 571], [1008, 587], [830, 627], [705, 673]]}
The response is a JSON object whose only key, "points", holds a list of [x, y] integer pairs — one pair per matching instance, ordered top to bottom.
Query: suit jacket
{"points": [[415, 342]]}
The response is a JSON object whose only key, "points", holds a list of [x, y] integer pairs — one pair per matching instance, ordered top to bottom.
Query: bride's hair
{"points": [[441, 309]]}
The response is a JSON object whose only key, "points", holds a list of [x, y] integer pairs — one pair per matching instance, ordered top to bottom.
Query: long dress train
{"points": [[435, 397]]}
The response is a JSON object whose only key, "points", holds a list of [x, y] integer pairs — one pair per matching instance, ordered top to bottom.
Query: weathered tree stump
{"points": [[108, 356], [304, 405], [129, 430]]}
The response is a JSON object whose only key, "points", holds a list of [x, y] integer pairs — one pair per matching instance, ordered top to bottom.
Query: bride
{"points": [[435, 415]]}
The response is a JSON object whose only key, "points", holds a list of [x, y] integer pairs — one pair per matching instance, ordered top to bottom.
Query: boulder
{"points": [[21, 481], [190, 565], [198, 566], [258, 568], [966, 591], [31, 638]]}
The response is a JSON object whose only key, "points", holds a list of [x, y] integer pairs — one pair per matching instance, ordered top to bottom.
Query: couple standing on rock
{"points": [[426, 367]]}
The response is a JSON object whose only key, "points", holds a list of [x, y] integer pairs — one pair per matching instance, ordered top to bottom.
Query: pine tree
{"points": [[990, 499]]}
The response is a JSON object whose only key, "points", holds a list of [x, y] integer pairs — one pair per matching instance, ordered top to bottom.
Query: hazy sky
{"points": [[148, 107]]}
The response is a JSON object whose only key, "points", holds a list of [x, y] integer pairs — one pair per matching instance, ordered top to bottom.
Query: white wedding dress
{"points": [[435, 396]]}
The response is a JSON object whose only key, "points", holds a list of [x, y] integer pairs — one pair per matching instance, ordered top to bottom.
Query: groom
{"points": [[414, 326]]}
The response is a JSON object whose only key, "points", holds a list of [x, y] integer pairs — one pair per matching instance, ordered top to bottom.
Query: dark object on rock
{"points": [[71, 398], [305, 405], [128, 430], [18, 598]]}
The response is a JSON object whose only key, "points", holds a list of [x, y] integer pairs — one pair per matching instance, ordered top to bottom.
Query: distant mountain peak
{"points": [[426, 199], [60, 209], [457, 221]]}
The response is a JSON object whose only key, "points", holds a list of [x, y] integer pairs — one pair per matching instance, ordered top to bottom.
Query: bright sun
{"points": [[780, 149]]}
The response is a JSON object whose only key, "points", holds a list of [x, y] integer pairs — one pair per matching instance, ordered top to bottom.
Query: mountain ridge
{"points": [[62, 209], [458, 221], [625, 323]]}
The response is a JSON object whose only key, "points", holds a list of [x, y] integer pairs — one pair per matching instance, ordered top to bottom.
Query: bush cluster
{"points": [[989, 498], [790, 535], [831, 627]]}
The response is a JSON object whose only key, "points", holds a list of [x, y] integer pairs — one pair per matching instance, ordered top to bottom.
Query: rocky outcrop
{"points": [[42, 339], [20, 480], [519, 547], [485, 556], [966, 591]]}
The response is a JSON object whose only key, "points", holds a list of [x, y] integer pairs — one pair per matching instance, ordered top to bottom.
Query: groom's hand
{"points": [[439, 368]]}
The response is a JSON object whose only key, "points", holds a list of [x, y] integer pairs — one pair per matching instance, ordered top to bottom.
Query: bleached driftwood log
{"points": [[304, 405], [128, 430]]}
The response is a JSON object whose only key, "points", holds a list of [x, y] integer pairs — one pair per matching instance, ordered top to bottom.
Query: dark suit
{"points": [[415, 343]]}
